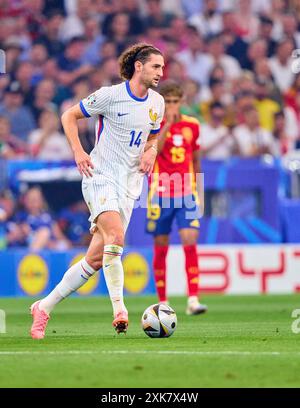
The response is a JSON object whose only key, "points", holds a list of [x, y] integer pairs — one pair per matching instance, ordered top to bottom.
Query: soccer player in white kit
{"points": [[128, 120]]}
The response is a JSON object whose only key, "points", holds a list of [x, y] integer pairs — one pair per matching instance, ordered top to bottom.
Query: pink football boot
{"points": [[40, 320], [120, 322]]}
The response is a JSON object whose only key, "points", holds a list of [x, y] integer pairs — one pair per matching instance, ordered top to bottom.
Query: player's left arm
{"points": [[149, 155]]}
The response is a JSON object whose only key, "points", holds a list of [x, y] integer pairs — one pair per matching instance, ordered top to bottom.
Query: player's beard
{"points": [[150, 83], [154, 83]]}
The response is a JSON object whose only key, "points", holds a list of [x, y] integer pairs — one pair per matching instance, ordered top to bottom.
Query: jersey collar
{"points": [[133, 96]]}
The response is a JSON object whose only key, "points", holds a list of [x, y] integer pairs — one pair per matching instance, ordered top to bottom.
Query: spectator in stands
{"points": [[191, 8], [132, 9], [276, 12], [156, 17], [35, 19], [208, 21], [73, 24], [247, 24], [291, 28], [179, 30], [119, 31], [265, 32], [50, 36], [152, 36], [94, 40], [235, 46], [171, 49], [13, 50], [107, 50], [257, 50], [217, 56], [38, 57], [70, 63], [197, 63], [280, 65], [262, 70], [176, 71], [51, 72], [109, 72], [217, 73], [23, 74], [80, 89], [218, 94], [290, 96], [43, 97], [243, 100], [265, 105], [13, 109], [216, 139], [252, 140], [284, 141], [48, 142], [11, 147], [73, 222], [38, 228], [11, 233]]}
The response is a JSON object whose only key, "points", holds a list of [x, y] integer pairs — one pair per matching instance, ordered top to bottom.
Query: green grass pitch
{"points": [[243, 341]]}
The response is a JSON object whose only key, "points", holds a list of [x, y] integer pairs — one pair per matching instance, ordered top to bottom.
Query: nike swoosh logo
{"points": [[122, 114], [107, 265]]}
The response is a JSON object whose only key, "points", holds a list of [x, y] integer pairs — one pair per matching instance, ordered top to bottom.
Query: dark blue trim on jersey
{"points": [[132, 95], [83, 110], [100, 128], [154, 131]]}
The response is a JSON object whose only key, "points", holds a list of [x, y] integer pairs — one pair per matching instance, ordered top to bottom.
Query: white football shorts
{"points": [[100, 195]]}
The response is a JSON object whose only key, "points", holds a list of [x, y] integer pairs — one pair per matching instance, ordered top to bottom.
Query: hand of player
{"points": [[172, 115], [147, 161], [84, 163]]}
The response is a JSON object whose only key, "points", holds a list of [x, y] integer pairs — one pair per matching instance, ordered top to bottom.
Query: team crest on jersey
{"points": [[91, 99], [153, 115], [177, 140]]}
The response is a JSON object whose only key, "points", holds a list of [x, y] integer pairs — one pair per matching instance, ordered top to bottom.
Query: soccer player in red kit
{"points": [[172, 194]]}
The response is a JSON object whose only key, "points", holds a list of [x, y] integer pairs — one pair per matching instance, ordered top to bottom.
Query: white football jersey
{"points": [[122, 129]]}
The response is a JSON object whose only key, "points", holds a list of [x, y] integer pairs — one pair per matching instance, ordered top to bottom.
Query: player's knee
{"points": [[115, 237], [162, 240], [189, 241]]}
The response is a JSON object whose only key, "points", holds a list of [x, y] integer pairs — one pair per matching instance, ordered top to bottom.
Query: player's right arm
{"points": [[69, 121]]}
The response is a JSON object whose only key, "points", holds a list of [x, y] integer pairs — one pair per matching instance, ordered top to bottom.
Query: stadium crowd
{"points": [[233, 57]]}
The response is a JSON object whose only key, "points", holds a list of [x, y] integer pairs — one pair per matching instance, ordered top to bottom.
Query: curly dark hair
{"points": [[138, 52]]}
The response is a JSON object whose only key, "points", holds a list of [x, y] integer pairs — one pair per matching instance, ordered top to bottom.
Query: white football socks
{"points": [[76, 276], [114, 276]]}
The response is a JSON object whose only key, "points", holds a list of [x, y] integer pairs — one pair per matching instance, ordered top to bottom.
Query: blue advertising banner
{"points": [[36, 274]]}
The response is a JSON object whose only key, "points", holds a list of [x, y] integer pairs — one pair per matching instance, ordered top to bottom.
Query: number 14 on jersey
{"points": [[135, 138]]}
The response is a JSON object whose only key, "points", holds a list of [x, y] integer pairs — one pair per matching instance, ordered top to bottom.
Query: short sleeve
{"points": [[96, 103], [158, 120]]}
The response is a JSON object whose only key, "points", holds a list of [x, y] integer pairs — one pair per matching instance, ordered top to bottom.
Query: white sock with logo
{"points": [[114, 276], [75, 277]]}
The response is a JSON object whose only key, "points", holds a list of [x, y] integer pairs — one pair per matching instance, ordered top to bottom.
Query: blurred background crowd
{"points": [[233, 57]]}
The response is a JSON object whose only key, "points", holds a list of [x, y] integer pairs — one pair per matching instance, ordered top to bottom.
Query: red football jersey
{"points": [[173, 172]]}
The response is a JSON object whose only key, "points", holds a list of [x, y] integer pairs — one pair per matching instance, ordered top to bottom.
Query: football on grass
{"points": [[159, 320]]}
